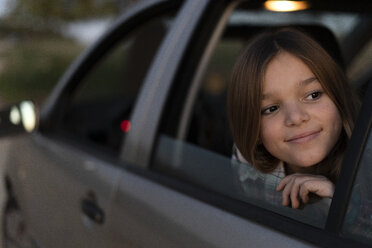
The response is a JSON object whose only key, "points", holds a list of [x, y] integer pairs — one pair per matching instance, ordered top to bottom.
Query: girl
{"points": [[291, 111]]}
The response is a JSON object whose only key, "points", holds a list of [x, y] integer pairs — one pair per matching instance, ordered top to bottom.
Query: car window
{"points": [[99, 109], [198, 148], [222, 174], [358, 219]]}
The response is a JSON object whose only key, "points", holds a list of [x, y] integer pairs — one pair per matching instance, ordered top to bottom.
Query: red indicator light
{"points": [[125, 126]]}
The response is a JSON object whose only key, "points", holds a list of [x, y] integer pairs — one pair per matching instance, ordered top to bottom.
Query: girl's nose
{"points": [[295, 115]]}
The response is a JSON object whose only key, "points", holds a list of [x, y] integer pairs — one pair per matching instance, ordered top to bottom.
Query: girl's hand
{"points": [[298, 185]]}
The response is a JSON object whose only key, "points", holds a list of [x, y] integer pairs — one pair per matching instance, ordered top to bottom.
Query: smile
{"points": [[304, 137]]}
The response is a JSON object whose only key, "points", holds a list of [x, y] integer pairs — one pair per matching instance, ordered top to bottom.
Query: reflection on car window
{"points": [[100, 107], [231, 178], [358, 219]]}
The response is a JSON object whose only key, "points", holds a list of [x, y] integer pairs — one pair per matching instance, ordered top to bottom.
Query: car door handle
{"points": [[92, 211]]}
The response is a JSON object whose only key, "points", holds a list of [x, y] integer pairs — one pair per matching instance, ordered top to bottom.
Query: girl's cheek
{"points": [[267, 130]]}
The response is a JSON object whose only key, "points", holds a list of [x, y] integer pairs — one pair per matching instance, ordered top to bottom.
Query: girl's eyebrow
{"points": [[307, 81], [300, 84], [266, 96]]}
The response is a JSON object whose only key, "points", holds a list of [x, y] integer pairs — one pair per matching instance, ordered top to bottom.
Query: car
{"points": [[132, 148]]}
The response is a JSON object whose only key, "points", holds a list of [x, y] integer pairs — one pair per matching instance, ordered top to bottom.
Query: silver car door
{"points": [[68, 171], [65, 192]]}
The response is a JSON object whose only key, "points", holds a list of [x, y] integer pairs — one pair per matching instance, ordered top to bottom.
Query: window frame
{"points": [[350, 165]]}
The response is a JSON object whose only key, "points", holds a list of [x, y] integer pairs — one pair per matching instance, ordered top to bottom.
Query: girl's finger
{"points": [[298, 177], [283, 182], [287, 191], [304, 192], [294, 194]]}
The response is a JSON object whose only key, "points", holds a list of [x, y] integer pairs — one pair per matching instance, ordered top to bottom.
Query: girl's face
{"points": [[300, 124]]}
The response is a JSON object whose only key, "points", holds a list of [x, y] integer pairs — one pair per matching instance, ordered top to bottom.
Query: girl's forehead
{"points": [[287, 67]]}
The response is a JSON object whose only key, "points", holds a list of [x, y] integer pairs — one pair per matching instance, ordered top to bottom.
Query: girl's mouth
{"points": [[303, 137]]}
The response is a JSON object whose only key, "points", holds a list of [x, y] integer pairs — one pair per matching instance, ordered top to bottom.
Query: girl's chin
{"points": [[303, 166]]}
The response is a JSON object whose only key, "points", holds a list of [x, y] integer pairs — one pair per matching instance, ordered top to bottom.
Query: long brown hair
{"points": [[245, 93]]}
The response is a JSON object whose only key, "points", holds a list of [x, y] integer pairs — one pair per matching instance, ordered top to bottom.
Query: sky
{"points": [[2, 7], [85, 31], [88, 31]]}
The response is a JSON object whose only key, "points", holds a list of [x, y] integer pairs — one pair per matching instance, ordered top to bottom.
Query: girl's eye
{"points": [[314, 95], [269, 110]]}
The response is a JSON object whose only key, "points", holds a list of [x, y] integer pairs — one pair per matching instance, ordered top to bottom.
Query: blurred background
{"points": [[40, 38], [38, 41]]}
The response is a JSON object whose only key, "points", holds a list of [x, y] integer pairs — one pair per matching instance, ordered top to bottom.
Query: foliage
{"points": [[65, 9], [33, 50], [31, 68]]}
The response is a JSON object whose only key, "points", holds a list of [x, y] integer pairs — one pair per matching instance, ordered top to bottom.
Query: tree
{"points": [[50, 15]]}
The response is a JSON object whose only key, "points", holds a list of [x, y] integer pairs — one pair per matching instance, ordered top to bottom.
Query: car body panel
{"points": [[57, 177], [146, 214]]}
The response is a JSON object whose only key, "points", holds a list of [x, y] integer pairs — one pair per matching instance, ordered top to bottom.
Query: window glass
{"points": [[100, 107], [198, 149], [222, 174], [358, 219]]}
